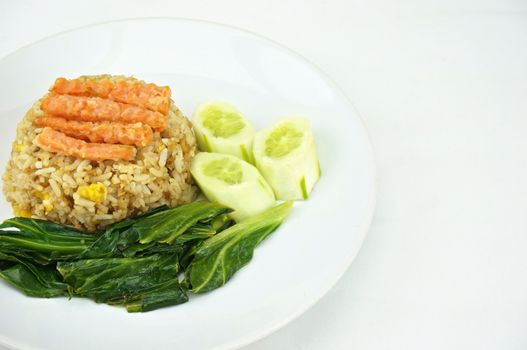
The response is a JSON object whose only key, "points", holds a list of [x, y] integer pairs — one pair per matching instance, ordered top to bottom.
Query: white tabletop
{"points": [[442, 88]]}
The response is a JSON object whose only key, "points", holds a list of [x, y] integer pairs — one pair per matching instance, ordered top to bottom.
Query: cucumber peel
{"points": [[220, 127], [286, 156], [232, 182]]}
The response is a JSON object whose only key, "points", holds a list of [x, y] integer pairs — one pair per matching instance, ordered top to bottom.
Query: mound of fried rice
{"points": [[46, 185]]}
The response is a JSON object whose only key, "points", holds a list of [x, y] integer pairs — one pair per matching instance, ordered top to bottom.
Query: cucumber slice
{"points": [[222, 128], [286, 156], [232, 182]]}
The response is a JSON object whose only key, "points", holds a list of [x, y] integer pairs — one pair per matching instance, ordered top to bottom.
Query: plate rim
{"points": [[363, 231]]}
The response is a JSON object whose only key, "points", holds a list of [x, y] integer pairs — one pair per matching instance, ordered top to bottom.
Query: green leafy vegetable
{"points": [[168, 225], [117, 238], [42, 241], [219, 257], [138, 262], [34, 280], [124, 280], [41, 281], [170, 293]]}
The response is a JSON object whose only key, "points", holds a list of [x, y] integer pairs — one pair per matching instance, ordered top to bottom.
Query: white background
{"points": [[442, 88]]}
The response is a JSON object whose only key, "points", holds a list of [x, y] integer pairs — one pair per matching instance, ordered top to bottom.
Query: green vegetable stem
{"points": [[219, 257]]}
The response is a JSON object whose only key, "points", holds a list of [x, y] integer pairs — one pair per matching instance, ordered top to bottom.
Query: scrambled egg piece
{"points": [[18, 147], [94, 192], [39, 194], [46, 202], [47, 205], [21, 213]]}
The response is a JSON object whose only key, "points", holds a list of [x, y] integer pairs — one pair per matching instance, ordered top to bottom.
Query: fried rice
{"points": [[57, 187]]}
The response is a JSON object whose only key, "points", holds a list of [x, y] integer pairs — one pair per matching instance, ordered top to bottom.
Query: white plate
{"points": [[291, 270]]}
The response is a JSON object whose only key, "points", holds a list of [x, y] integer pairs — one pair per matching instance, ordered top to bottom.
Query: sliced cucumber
{"points": [[222, 128], [286, 156], [233, 182]]}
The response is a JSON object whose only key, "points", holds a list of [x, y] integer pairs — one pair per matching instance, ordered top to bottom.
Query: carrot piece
{"points": [[149, 96], [96, 109], [136, 134], [55, 141]]}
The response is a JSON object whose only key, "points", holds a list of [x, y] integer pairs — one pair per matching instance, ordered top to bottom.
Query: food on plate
{"points": [[150, 96], [96, 109], [222, 128], [121, 133], [136, 134], [55, 141], [286, 156], [101, 182], [232, 182], [219, 257], [137, 262], [141, 284]]}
